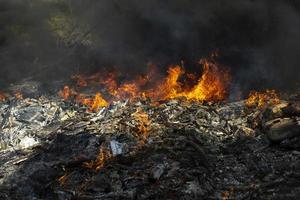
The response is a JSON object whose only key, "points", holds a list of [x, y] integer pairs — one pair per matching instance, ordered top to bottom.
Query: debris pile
{"points": [[177, 149]]}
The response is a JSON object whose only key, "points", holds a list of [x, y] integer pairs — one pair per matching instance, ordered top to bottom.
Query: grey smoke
{"points": [[259, 40]]}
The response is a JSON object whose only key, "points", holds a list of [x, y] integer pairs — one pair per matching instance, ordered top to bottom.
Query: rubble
{"points": [[52, 149]]}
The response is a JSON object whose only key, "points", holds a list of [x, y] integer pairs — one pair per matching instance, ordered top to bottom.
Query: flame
{"points": [[110, 84], [211, 85], [170, 87], [127, 90], [66, 93], [18, 95], [2, 97], [262, 99], [95, 103], [143, 125], [102, 157], [62, 180]]}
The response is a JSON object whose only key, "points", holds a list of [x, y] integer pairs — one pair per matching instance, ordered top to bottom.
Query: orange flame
{"points": [[212, 85], [66, 93], [19, 95], [2, 97], [262, 99], [95, 103], [144, 125], [102, 157]]}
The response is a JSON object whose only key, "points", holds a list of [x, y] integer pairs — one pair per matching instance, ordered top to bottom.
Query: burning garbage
{"points": [[151, 136]]}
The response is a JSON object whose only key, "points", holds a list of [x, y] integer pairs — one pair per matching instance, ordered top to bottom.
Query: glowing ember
{"points": [[66, 93], [19, 95], [2, 97], [262, 99], [143, 119], [144, 125], [102, 157], [62, 180]]}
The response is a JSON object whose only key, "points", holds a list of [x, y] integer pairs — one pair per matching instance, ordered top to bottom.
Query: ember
{"points": [[66, 93], [19, 95], [2, 97], [263, 99], [143, 126], [102, 157]]}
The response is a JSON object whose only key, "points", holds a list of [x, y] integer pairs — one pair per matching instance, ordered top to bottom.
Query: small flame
{"points": [[66, 93], [19, 95], [2, 97], [262, 99], [95, 103], [144, 125], [102, 157], [62, 180]]}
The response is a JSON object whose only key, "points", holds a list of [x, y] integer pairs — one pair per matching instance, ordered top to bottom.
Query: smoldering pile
{"points": [[177, 149]]}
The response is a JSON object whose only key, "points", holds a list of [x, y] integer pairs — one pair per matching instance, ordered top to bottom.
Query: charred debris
{"points": [[51, 148]]}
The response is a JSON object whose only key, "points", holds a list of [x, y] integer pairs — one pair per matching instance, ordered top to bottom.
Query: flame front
{"points": [[212, 85]]}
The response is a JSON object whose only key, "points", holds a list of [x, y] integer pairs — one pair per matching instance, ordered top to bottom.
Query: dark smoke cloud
{"points": [[259, 40]]}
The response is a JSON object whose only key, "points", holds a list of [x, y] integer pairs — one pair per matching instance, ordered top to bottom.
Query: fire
{"points": [[110, 84], [212, 85], [170, 87], [128, 90], [66, 93], [19, 95], [2, 97], [262, 99], [95, 103], [143, 125], [102, 157], [62, 180]]}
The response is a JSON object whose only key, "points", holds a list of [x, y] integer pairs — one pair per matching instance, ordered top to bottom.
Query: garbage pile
{"points": [[176, 149]]}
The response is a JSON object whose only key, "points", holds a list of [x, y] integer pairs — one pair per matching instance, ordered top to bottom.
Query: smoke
{"points": [[258, 40]]}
